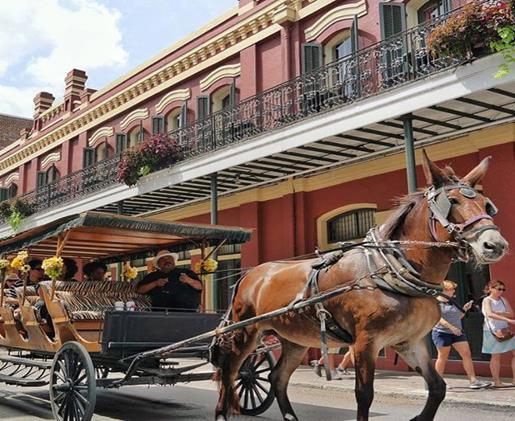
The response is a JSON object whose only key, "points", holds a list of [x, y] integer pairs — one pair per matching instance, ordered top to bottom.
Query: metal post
{"points": [[410, 153], [214, 221]]}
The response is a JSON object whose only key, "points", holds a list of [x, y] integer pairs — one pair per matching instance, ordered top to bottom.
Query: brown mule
{"points": [[375, 318]]}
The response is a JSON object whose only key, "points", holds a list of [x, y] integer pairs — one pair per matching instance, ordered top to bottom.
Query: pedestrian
{"points": [[448, 332], [497, 336], [341, 370]]}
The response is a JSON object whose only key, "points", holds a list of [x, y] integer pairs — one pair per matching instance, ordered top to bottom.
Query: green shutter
{"points": [[392, 17], [354, 34], [312, 57], [232, 94], [203, 107], [184, 114], [158, 124], [121, 143], [88, 157], [41, 179], [3, 194]]}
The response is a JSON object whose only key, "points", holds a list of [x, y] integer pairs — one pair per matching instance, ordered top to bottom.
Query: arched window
{"points": [[433, 9], [225, 97], [174, 119], [136, 136], [102, 152], [52, 174], [12, 191], [350, 225]]}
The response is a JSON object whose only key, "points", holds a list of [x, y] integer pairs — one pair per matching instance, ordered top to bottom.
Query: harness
{"points": [[388, 268]]}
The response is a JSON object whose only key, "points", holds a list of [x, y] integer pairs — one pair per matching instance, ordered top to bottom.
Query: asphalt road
{"points": [[196, 402]]}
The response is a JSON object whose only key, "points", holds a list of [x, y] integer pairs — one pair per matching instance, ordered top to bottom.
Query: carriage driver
{"points": [[171, 287]]}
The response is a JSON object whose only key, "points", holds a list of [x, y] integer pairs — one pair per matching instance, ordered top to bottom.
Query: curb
{"points": [[509, 404]]}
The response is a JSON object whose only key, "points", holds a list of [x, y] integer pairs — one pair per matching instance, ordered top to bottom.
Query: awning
{"points": [[111, 238]]}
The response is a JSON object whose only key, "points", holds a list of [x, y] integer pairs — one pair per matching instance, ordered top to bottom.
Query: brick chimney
{"points": [[75, 82], [42, 102]]}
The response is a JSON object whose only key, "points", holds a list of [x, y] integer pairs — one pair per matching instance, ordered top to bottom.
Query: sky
{"points": [[41, 40]]}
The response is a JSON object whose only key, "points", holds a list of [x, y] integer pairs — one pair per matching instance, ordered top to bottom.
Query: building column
{"points": [[286, 51], [211, 301]]}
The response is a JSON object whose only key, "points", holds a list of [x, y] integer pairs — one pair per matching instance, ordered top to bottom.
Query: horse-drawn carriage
{"points": [[89, 341]]}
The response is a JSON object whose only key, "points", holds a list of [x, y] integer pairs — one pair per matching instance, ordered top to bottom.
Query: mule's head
{"points": [[461, 213]]}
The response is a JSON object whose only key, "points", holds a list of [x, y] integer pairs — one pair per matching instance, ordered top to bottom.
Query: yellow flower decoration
{"points": [[18, 262], [4, 264], [207, 266], [53, 267], [129, 272]]}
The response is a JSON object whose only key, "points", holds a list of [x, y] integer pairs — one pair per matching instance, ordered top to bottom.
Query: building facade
{"points": [[302, 109]]}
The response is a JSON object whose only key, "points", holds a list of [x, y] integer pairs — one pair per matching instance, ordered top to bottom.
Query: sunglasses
{"points": [[500, 289]]}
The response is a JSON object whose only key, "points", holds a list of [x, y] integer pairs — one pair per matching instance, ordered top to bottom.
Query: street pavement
{"points": [[196, 401]]}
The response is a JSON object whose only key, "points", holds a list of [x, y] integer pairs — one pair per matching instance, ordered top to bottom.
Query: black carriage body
{"points": [[129, 332]]}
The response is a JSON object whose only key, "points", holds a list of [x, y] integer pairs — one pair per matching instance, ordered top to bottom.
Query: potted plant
{"points": [[157, 152], [13, 212]]}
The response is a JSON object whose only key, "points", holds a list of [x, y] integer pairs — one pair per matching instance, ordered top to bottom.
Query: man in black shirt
{"points": [[171, 287]]}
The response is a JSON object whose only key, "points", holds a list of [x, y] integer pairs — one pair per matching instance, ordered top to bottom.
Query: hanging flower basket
{"points": [[471, 32], [157, 152], [19, 262], [206, 266], [53, 267], [129, 273]]}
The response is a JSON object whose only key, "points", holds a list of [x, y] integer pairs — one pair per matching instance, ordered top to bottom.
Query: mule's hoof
{"points": [[290, 417]]}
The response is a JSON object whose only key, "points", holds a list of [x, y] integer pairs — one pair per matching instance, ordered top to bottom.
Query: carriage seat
{"points": [[31, 295], [88, 300]]}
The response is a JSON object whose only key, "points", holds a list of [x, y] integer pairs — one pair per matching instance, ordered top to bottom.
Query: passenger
{"points": [[70, 268], [95, 271], [36, 275], [171, 287]]}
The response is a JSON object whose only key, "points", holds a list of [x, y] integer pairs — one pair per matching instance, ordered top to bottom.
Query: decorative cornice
{"points": [[346, 11], [243, 34], [230, 70], [177, 95], [140, 114], [99, 134], [50, 159], [15, 176]]}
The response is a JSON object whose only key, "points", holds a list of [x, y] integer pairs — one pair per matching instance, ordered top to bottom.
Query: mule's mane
{"points": [[406, 203]]}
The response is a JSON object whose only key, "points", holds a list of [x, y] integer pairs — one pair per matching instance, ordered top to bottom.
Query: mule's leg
{"points": [[244, 344], [291, 356], [365, 356], [417, 357]]}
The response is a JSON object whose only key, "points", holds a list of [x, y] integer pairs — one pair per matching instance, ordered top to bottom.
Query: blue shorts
{"points": [[442, 339]]}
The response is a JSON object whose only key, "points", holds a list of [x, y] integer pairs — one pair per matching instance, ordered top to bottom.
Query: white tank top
{"points": [[496, 306]]}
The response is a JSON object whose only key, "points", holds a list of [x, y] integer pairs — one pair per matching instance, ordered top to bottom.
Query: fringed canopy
{"points": [[112, 238]]}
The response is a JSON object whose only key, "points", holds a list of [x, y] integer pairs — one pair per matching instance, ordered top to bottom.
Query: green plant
{"points": [[506, 46], [13, 212]]}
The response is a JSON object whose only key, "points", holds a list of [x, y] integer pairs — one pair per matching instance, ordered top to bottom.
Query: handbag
{"points": [[506, 333]]}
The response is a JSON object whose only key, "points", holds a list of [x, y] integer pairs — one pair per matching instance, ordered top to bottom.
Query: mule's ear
{"points": [[434, 174], [477, 174]]}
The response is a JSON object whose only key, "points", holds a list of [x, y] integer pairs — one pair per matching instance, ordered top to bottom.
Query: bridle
{"points": [[440, 207]]}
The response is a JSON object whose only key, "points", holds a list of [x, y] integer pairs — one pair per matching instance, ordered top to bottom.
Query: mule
{"points": [[375, 318]]}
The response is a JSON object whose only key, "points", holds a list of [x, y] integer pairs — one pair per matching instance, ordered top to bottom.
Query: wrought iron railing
{"points": [[394, 62]]}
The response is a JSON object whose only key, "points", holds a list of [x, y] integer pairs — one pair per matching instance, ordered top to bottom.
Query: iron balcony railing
{"points": [[394, 62]]}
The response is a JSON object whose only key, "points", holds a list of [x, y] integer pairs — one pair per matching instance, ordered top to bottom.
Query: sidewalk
{"points": [[394, 384]]}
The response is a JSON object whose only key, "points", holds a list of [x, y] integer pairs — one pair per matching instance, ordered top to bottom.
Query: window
{"points": [[433, 9], [392, 18], [203, 107], [176, 118], [158, 124], [136, 136], [121, 143], [102, 152], [52, 175], [12, 191], [350, 225]]}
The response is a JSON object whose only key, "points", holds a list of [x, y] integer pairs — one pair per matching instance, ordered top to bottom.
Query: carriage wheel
{"points": [[72, 384], [253, 387]]}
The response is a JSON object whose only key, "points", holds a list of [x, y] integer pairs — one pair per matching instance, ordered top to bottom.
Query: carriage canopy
{"points": [[112, 238]]}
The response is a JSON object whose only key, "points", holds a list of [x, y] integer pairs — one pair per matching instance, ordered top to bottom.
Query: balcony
{"points": [[265, 138]]}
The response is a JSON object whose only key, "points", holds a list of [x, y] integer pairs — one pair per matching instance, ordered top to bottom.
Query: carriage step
{"points": [[26, 361], [18, 381]]}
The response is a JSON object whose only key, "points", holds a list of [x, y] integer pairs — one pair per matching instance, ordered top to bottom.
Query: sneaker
{"points": [[343, 371], [479, 385]]}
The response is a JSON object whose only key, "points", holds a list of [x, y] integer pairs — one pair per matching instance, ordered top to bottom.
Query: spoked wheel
{"points": [[72, 384], [253, 387]]}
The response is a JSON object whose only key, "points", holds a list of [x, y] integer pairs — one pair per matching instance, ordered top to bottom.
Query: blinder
{"points": [[440, 206]]}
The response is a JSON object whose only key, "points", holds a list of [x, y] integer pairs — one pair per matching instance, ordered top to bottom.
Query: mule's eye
{"points": [[453, 201], [491, 209]]}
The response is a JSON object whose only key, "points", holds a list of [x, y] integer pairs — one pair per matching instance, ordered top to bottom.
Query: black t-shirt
{"points": [[175, 294]]}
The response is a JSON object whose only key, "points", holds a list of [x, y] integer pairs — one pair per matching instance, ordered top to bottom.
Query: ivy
{"points": [[506, 46]]}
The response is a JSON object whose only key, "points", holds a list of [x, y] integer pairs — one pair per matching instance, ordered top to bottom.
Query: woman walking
{"points": [[448, 333], [497, 337]]}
